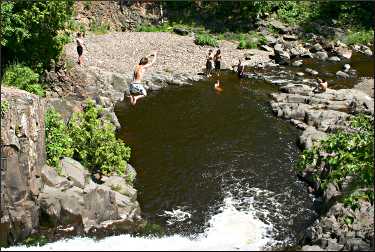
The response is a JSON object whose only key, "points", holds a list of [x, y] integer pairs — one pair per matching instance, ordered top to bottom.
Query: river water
{"points": [[215, 169]]}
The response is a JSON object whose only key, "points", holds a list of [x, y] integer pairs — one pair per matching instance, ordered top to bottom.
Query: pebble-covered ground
{"points": [[121, 51]]}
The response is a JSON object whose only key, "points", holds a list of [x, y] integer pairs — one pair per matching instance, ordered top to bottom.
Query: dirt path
{"points": [[120, 51]]}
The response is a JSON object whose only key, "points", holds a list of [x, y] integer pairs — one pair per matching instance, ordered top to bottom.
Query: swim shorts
{"points": [[137, 89]]}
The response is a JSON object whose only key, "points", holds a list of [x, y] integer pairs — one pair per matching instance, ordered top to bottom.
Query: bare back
{"points": [[138, 73]]}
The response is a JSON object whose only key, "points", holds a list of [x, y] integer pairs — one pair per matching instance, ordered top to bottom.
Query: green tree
{"points": [[30, 30]]}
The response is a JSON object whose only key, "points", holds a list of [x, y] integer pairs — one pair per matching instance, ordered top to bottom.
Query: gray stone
{"points": [[280, 27], [180, 31], [291, 37], [270, 40], [316, 47], [266, 48], [343, 52], [307, 55], [321, 55], [334, 58], [297, 63], [346, 67], [311, 71], [300, 74], [342, 74], [310, 136], [74, 171], [131, 173], [51, 178], [119, 184], [355, 244], [333, 245], [312, 248]]}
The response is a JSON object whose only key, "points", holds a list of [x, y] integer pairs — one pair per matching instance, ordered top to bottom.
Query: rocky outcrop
{"points": [[326, 112], [22, 156], [36, 199], [74, 200]]}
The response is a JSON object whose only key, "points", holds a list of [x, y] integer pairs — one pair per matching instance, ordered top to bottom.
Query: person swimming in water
{"points": [[217, 86], [136, 89]]}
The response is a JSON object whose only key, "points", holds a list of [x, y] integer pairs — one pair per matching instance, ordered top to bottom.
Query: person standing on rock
{"points": [[80, 44], [217, 60], [209, 62], [136, 88]]}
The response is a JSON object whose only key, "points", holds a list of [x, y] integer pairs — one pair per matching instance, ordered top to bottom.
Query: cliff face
{"points": [[23, 154], [35, 199]]}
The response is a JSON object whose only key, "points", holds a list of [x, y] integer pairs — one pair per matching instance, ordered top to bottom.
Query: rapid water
{"points": [[215, 169]]}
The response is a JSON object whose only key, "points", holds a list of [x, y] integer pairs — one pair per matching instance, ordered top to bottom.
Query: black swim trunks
{"points": [[79, 50], [217, 65]]}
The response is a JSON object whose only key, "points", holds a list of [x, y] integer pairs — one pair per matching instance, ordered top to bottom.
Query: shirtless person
{"points": [[80, 44], [209, 62], [240, 69], [321, 87], [136, 88]]}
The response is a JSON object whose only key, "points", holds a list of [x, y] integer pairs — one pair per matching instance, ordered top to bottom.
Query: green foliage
{"points": [[295, 11], [165, 27], [30, 30], [360, 37], [206, 39], [251, 40], [23, 78], [4, 107], [87, 139], [58, 141], [95, 144], [350, 154], [152, 229], [35, 240]]}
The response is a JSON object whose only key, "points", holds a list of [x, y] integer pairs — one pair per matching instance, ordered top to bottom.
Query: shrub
{"points": [[98, 27], [360, 37], [206, 39], [251, 40], [23, 78], [4, 107], [87, 139], [58, 141], [95, 144], [351, 154]]}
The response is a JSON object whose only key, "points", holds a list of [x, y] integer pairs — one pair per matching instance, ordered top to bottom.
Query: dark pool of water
{"points": [[192, 147]]}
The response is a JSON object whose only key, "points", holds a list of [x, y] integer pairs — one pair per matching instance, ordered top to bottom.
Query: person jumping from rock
{"points": [[136, 88]]}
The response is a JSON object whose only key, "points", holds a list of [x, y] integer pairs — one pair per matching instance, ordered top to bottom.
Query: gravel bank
{"points": [[121, 51]]}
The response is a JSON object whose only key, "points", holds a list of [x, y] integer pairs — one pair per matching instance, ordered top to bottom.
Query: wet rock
{"points": [[321, 55], [334, 58], [297, 63], [346, 67], [311, 71], [342, 74], [74, 171], [356, 244], [332, 245]]}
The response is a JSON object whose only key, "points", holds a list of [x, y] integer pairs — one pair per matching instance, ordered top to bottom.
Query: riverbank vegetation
{"points": [[86, 138], [346, 159]]}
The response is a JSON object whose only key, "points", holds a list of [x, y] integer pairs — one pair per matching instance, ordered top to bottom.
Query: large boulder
{"points": [[282, 57], [23, 155], [74, 171]]}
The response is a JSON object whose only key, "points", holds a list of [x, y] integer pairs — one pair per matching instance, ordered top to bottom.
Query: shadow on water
{"points": [[193, 147]]}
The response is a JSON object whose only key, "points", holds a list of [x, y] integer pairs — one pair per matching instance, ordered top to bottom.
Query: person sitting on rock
{"points": [[217, 61], [209, 62], [322, 86], [136, 88]]}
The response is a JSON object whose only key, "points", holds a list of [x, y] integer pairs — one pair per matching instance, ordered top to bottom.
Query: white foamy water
{"points": [[230, 229]]}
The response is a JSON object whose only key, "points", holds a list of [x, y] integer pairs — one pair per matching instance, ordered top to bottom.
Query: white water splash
{"points": [[176, 215], [230, 229]]}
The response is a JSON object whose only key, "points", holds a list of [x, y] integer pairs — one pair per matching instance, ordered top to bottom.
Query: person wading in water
{"points": [[80, 44], [217, 60], [209, 62], [136, 88]]}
